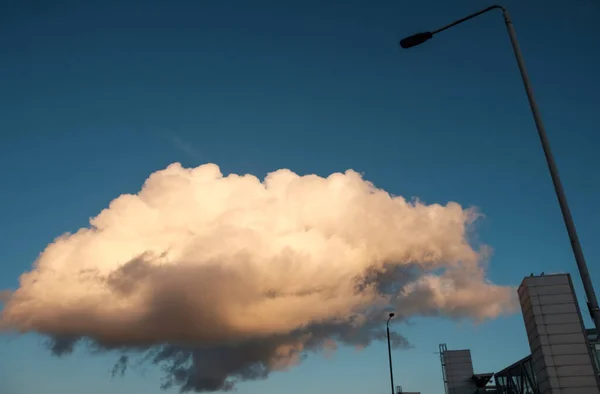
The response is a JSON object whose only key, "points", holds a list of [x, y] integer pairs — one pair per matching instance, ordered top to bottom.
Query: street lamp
{"points": [[419, 38], [387, 325]]}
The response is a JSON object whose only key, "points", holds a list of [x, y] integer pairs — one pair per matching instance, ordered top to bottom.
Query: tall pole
{"points": [[592, 301], [387, 325]]}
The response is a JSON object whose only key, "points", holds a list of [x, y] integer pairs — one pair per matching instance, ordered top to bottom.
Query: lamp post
{"points": [[419, 38], [387, 325]]}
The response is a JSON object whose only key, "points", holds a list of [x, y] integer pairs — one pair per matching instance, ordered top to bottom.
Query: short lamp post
{"points": [[387, 326]]}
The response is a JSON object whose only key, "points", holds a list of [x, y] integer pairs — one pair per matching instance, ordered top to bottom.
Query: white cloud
{"points": [[250, 273]]}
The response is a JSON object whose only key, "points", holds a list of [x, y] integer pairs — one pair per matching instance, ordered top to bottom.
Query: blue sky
{"points": [[97, 95]]}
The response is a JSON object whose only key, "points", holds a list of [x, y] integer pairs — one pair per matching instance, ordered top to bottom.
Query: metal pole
{"points": [[466, 18], [592, 301], [390, 354]]}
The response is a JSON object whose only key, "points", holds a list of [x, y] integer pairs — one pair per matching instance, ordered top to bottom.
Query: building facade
{"points": [[564, 359]]}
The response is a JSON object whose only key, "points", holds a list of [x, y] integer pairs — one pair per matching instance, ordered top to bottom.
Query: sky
{"points": [[98, 95]]}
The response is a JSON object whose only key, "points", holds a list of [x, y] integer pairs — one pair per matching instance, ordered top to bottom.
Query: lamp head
{"points": [[416, 39]]}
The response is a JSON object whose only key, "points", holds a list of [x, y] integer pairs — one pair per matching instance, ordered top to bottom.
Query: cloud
{"points": [[220, 279], [5, 295], [120, 366]]}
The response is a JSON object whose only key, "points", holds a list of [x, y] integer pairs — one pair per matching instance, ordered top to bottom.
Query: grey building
{"points": [[564, 355], [562, 358], [458, 374], [399, 390]]}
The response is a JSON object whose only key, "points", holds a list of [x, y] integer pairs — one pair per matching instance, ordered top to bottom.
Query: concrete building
{"points": [[564, 355], [562, 359], [457, 370], [399, 390]]}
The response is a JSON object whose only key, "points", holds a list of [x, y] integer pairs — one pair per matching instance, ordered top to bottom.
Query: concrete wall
{"points": [[560, 351], [458, 366]]}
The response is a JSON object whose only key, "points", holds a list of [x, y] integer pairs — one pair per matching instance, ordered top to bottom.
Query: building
{"points": [[564, 359], [458, 374], [400, 391]]}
